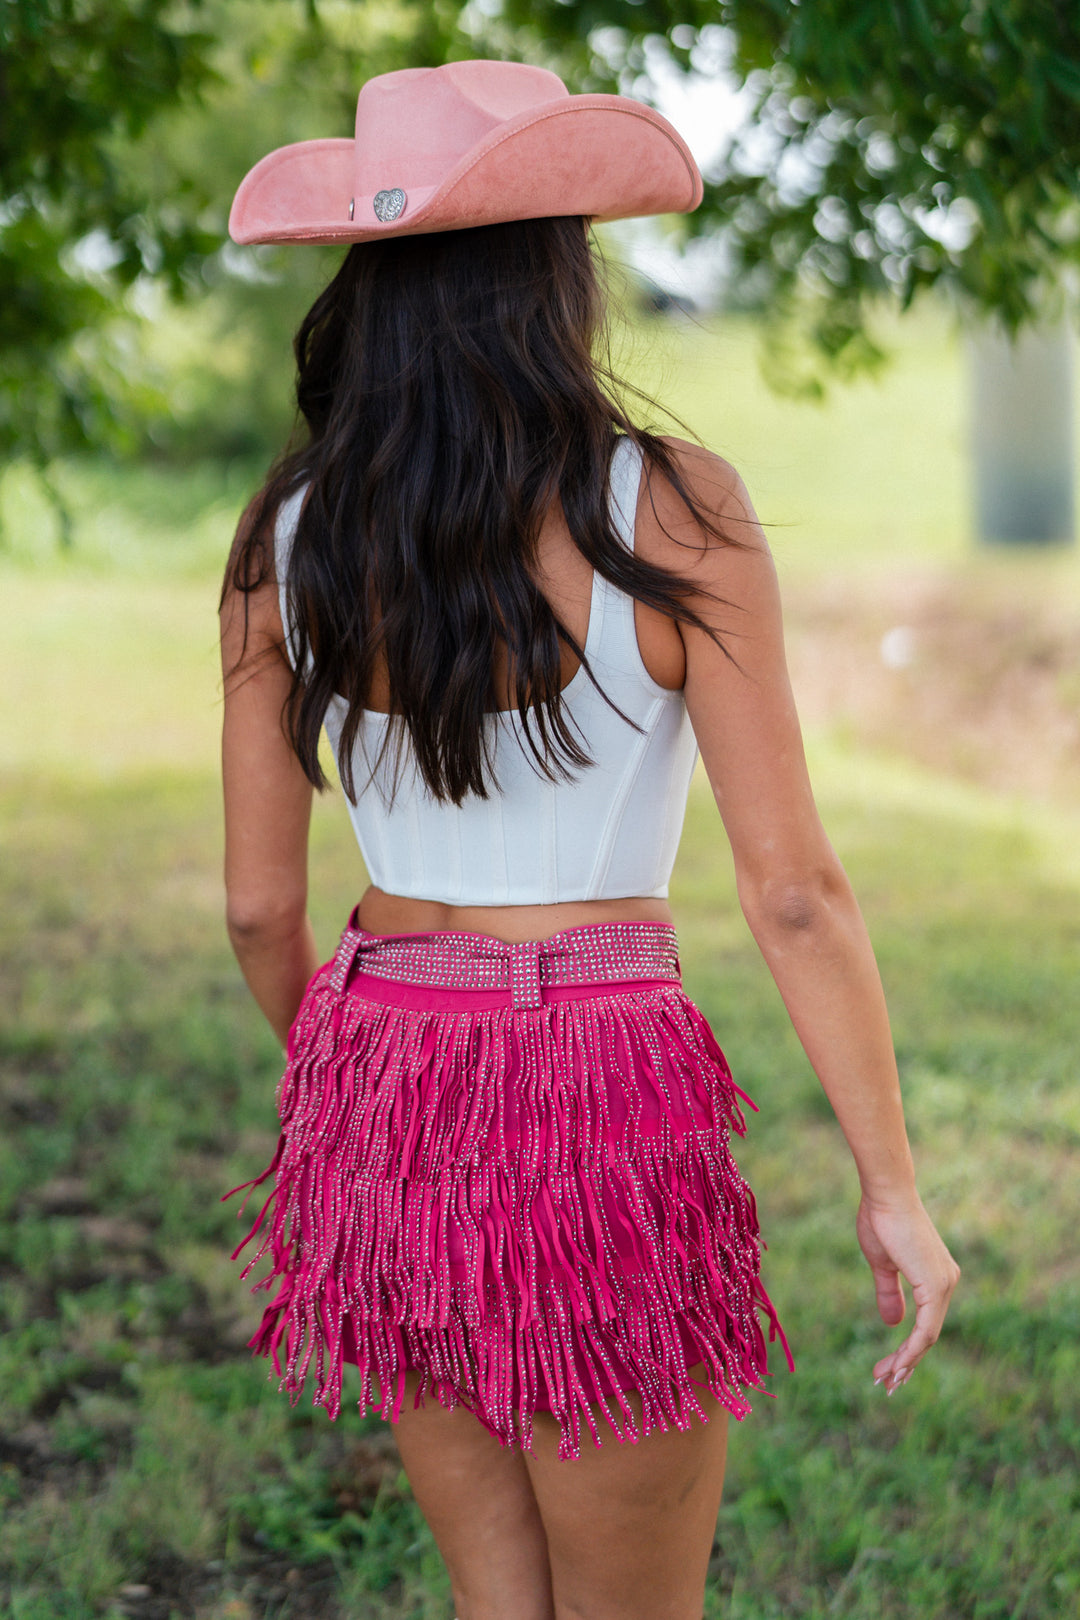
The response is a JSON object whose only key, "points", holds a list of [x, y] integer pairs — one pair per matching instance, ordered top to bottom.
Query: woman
{"points": [[503, 1188]]}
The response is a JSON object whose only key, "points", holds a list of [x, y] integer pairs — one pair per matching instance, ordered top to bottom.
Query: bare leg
{"points": [[478, 1500], [630, 1527], [622, 1533]]}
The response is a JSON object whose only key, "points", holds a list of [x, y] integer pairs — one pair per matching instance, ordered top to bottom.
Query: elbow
{"points": [[794, 905], [255, 919]]}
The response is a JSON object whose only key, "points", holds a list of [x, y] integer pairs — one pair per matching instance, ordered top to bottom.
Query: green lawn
{"points": [[148, 1467]]}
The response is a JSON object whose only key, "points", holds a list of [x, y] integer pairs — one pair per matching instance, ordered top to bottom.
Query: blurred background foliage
{"points": [[930, 143], [885, 149], [116, 178]]}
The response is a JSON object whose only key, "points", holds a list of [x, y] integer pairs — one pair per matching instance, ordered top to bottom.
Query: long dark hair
{"points": [[452, 389]]}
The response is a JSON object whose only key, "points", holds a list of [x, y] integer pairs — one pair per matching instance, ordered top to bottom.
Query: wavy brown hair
{"points": [[451, 387]]}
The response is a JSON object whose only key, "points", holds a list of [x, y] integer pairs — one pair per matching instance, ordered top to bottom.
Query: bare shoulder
{"points": [[697, 463], [727, 555], [259, 559], [249, 611]]}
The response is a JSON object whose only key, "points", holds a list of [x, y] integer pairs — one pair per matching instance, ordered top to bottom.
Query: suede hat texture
{"points": [[470, 143]]}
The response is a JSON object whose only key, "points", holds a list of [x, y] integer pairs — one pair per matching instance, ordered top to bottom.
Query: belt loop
{"points": [[346, 955], [525, 973]]}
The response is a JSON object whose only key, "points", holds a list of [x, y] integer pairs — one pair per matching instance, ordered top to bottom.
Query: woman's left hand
{"points": [[900, 1241]]}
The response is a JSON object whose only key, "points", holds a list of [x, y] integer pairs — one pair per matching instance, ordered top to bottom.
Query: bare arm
{"points": [[267, 813], [795, 894]]}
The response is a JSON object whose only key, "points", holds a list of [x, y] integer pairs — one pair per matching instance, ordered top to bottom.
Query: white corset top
{"points": [[610, 833]]}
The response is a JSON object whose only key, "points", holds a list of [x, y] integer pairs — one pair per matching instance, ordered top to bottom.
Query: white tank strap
{"points": [[626, 463]]}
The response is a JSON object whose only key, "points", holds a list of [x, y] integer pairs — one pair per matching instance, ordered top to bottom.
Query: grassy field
{"points": [[147, 1466]]}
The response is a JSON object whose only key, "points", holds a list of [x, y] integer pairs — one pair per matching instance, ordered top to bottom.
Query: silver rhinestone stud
{"points": [[388, 205], [352, 206]]}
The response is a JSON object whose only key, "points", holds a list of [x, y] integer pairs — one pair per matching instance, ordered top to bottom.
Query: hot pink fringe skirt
{"points": [[508, 1166]]}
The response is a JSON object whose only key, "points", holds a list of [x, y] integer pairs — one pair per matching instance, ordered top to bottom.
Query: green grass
{"points": [[134, 1063], [139, 1444]]}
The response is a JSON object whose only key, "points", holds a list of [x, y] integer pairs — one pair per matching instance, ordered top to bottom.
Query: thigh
{"points": [[478, 1500], [630, 1526]]}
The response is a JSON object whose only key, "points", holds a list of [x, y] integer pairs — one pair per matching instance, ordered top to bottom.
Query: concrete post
{"points": [[1022, 434]]}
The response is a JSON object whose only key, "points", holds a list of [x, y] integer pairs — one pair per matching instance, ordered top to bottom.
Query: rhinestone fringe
{"points": [[525, 1139]]}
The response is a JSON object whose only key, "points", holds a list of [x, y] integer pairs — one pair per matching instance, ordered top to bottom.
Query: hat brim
{"points": [[603, 156]]}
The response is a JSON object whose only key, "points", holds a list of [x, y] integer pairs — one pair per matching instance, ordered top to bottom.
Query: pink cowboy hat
{"points": [[471, 143]]}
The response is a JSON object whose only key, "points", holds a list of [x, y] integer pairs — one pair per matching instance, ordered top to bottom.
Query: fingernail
{"points": [[902, 1375], [878, 1381]]}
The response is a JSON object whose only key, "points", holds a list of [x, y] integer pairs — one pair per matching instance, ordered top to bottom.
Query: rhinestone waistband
{"points": [[595, 953]]}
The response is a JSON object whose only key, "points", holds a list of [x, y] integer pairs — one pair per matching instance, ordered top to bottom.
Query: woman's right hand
{"points": [[900, 1241]]}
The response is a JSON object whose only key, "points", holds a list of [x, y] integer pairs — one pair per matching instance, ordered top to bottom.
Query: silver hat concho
{"points": [[388, 205]]}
